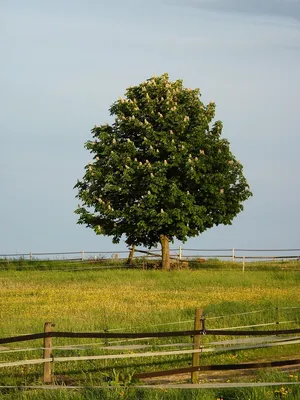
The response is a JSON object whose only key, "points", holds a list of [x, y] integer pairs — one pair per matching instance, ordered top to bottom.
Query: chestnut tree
{"points": [[161, 170]]}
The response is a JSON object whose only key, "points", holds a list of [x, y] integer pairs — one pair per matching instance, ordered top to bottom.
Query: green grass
{"points": [[22, 264], [143, 300], [270, 393]]}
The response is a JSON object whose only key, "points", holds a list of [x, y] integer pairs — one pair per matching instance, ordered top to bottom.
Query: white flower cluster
{"points": [[152, 82]]}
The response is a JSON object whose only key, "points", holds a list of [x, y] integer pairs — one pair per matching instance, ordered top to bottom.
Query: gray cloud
{"points": [[275, 8]]}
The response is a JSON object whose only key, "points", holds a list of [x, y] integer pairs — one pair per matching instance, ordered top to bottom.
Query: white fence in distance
{"points": [[180, 253]]}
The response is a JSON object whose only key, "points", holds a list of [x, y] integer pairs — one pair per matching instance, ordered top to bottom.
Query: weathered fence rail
{"points": [[180, 253], [125, 335]]}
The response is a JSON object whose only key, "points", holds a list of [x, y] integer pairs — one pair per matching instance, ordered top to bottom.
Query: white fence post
{"points": [[180, 253], [82, 255], [30, 256], [233, 258], [243, 263]]}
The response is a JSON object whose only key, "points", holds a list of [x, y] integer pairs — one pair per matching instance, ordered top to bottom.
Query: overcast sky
{"points": [[64, 62]]}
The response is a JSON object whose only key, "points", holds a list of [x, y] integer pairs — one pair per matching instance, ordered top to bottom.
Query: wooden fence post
{"points": [[180, 253], [82, 255], [30, 256], [233, 256], [244, 263], [277, 317], [196, 341], [47, 377]]}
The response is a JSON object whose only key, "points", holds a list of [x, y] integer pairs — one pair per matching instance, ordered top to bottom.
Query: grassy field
{"points": [[86, 298]]}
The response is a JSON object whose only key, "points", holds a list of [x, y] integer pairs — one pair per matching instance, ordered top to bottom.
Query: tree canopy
{"points": [[161, 170]]}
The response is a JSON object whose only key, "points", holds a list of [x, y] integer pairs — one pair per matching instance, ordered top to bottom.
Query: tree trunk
{"points": [[165, 252], [131, 254]]}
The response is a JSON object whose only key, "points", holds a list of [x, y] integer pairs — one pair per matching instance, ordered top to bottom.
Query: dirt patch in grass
{"points": [[220, 376]]}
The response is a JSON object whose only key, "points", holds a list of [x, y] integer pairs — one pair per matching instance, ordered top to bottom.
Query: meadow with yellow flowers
{"points": [[134, 300]]}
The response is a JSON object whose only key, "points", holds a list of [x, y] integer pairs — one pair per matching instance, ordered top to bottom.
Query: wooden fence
{"points": [[180, 253], [198, 331]]}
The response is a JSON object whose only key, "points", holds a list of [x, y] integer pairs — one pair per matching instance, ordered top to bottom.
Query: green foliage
{"points": [[162, 168]]}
